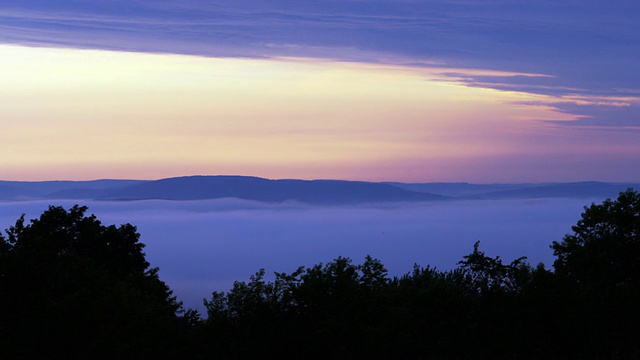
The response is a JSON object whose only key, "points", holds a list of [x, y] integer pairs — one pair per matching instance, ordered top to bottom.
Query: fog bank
{"points": [[202, 246]]}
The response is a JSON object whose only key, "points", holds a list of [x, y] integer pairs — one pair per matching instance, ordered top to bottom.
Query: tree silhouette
{"points": [[604, 250], [599, 265], [491, 275], [72, 287], [327, 310]]}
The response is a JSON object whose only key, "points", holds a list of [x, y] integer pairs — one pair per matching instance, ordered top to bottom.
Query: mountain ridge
{"points": [[317, 192]]}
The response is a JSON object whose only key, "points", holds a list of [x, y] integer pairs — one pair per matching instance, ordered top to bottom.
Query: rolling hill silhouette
{"points": [[319, 192], [326, 192]]}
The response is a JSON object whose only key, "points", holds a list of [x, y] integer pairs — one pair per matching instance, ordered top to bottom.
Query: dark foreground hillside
{"points": [[74, 288]]}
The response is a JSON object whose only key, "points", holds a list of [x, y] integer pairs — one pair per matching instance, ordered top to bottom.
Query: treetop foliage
{"points": [[604, 249], [65, 273]]}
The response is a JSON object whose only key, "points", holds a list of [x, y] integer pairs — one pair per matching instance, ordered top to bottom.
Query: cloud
{"points": [[587, 47], [545, 48], [613, 112], [625, 116]]}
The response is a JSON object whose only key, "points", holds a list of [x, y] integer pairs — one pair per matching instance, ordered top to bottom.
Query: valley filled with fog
{"points": [[205, 245]]}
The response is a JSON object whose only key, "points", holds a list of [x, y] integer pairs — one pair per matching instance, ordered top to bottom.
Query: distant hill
{"points": [[461, 189], [586, 189], [33, 190], [10, 192], [320, 192], [326, 192]]}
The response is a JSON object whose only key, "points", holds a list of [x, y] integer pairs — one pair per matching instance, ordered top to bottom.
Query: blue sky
{"points": [[574, 59]]}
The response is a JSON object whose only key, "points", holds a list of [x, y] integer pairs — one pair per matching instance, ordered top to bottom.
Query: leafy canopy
{"points": [[604, 250], [78, 288]]}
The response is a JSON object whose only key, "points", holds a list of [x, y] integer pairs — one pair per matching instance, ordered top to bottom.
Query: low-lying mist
{"points": [[202, 246]]}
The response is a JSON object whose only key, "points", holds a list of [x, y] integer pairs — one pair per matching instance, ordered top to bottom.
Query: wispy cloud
{"points": [[587, 47], [615, 113]]}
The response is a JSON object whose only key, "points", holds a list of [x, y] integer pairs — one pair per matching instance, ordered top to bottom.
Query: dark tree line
{"points": [[72, 287]]}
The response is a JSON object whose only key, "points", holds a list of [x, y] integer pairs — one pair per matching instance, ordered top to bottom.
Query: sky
{"points": [[381, 90]]}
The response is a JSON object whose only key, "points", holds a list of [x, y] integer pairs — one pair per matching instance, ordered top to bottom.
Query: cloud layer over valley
{"points": [[202, 246]]}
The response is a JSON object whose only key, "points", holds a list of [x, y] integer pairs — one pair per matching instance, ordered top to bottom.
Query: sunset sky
{"points": [[387, 90]]}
